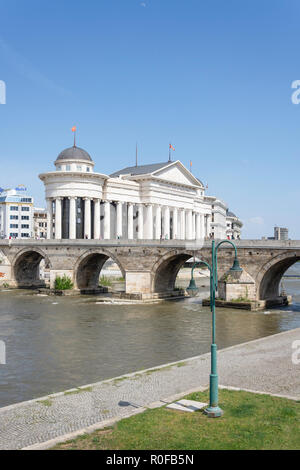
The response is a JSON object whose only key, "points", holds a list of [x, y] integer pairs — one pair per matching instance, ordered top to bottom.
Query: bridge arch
{"points": [[26, 267], [88, 267], [165, 271], [269, 276]]}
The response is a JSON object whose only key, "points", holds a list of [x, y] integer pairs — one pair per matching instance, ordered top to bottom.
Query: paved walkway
{"points": [[261, 365]]}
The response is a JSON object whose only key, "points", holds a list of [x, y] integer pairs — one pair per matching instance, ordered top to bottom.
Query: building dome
{"points": [[74, 153]]}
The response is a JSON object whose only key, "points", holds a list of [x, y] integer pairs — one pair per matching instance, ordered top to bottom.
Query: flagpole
{"points": [[170, 152], [136, 155]]}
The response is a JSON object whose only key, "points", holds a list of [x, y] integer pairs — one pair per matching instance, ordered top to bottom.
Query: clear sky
{"points": [[211, 76]]}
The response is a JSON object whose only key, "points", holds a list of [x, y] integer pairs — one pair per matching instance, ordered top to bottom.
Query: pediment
{"points": [[177, 173]]}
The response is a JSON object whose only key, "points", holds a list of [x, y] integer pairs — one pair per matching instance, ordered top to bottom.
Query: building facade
{"points": [[157, 201], [16, 213], [40, 219], [233, 226], [281, 233]]}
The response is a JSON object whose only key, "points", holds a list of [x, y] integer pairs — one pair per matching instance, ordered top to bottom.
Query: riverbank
{"points": [[263, 365]]}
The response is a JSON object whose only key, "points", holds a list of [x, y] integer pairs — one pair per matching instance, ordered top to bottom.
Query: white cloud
{"points": [[143, 4]]}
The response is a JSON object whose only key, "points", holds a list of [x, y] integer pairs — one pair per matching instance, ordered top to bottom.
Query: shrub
{"points": [[105, 281], [63, 283]]}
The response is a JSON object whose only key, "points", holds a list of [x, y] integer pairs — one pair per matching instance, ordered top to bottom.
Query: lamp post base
{"points": [[213, 412]]}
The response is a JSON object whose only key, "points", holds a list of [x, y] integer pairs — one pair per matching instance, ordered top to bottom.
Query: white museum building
{"points": [[156, 201]]}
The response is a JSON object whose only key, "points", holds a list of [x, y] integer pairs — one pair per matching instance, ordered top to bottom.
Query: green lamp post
{"points": [[213, 411]]}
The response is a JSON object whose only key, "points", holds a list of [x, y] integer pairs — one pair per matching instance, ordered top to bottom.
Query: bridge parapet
{"points": [[149, 266]]}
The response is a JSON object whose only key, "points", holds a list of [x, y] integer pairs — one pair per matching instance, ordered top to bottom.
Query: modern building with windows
{"points": [[156, 201], [16, 213], [281, 233]]}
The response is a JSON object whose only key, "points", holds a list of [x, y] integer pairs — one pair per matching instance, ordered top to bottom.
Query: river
{"points": [[56, 343]]}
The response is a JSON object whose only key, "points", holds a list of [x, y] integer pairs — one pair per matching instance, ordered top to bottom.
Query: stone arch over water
{"points": [[89, 265], [26, 267], [165, 271], [270, 275]]}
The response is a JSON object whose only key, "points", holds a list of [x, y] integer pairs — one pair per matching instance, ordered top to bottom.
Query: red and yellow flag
{"points": [[74, 129], [171, 147]]}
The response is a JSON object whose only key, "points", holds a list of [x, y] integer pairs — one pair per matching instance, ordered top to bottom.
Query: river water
{"points": [[56, 343]]}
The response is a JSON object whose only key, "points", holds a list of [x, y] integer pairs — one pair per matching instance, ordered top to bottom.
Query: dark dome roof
{"points": [[74, 153], [230, 214]]}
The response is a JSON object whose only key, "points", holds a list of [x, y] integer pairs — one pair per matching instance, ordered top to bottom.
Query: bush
{"points": [[105, 281], [63, 283]]}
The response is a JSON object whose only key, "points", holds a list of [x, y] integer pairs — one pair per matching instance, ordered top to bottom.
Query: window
{"points": [[68, 167], [58, 168], [79, 168], [88, 169], [26, 199], [14, 208], [25, 209], [14, 217], [23, 217], [41, 224], [14, 226], [25, 226], [13, 235], [25, 235]]}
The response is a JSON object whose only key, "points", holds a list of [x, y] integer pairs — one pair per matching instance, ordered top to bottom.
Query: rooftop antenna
{"points": [[74, 130], [136, 155]]}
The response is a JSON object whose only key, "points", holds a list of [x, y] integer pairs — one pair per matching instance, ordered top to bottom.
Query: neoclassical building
{"points": [[156, 201]]}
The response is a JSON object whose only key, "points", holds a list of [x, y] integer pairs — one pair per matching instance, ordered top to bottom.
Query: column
{"points": [[72, 218], [87, 218], [49, 219], [96, 219], [119, 219], [107, 220], [58, 221], [130, 221], [140, 221], [158, 222], [166, 223], [175, 223], [202, 223], [182, 224], [189, 225], [193, 225], [198, 226], [148, 227], [208, 228]]}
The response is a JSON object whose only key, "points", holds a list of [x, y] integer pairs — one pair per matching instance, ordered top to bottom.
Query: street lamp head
{"points": [[236, 266], [192, 289]]}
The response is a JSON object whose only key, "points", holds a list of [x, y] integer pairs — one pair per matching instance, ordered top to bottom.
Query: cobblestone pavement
{"points": [[263, 365]]}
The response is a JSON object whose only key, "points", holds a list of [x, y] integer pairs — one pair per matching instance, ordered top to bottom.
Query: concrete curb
{"points": [[143, 371], [161, 402], [158, 404], [103, 424]]}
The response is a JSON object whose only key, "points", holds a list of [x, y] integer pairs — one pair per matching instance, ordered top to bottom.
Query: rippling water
{"points": [[56, 343]]}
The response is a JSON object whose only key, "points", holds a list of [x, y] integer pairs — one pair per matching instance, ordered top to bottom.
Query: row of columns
{"points": [[153, 222]]}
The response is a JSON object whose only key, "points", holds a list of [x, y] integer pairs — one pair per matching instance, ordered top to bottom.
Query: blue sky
{"points": [[211, 76]]}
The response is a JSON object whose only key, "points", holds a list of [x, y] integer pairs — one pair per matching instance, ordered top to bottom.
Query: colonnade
{"points": [[83, 218]]}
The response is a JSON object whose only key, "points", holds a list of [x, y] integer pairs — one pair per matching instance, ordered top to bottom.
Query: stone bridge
{"points": [[149, 267]]}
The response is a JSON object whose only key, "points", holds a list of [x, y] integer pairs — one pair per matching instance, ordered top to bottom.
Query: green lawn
{"points": [[250, 421]]}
